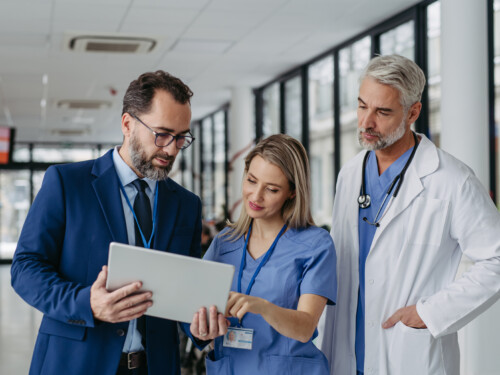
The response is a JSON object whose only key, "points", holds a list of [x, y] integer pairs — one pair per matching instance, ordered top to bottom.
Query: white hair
{"points": [[400, 73]]}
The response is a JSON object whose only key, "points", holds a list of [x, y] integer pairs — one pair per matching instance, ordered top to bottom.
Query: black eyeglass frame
{"points": [[173, 137]]}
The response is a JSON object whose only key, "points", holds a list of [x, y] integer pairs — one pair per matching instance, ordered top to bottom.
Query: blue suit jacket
{"points": [[63, 246]]}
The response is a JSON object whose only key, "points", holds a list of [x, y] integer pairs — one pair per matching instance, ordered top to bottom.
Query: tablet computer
{"points": [[180, 284]]}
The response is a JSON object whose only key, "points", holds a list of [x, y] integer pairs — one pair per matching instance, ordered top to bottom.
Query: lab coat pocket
{"points": [[427, 221], [414, 352], [296, 365], [220, 366]]}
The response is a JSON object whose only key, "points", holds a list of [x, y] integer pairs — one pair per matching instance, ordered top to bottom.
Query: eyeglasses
{"points": [[164, 139]]}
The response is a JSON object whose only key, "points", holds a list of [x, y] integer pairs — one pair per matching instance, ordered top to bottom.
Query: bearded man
{"points": [[404, 213], [60, 262]]}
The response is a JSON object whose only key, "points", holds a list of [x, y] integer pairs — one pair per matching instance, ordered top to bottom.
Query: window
{"points": [[400, 41], [352, 61], [434, 70], [293, 107], [271, 110], [321, 139], [59, 154], [197, 159], [220, 164], [187, 168], [208, 173], [15, 200]]}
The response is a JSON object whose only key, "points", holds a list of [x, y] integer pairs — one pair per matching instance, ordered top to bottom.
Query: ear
{"points": [[414, 112], [126, 124], [292, 195]]}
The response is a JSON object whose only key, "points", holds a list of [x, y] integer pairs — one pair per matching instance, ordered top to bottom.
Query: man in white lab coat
{"points": [[404, 213]]}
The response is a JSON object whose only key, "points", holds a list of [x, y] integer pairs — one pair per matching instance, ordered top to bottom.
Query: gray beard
{"points": [[382, 142], [145, 166]]}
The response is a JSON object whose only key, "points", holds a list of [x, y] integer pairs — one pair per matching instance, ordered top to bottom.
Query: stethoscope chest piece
{"points": [[364, 201]]}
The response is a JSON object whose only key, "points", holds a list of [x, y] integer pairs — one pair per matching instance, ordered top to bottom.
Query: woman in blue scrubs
{"points": [[285, 270]]}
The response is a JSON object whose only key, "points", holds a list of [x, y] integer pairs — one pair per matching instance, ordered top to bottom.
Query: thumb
{"points": [[101, 278]]}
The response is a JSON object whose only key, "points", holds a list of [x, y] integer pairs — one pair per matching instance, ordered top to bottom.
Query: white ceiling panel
{"points": [[172, 4], [245, 5], [87, 17], [23, 18], [158, 21], [230, 25], [258, 40]]}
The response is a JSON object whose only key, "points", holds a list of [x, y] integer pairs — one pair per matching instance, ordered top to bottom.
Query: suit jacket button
{"points": [[120, 332]]}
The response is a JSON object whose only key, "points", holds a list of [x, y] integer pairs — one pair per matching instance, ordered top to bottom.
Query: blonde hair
{"points": [[289, 155]]}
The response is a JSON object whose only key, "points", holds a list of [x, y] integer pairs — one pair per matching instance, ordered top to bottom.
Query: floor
{"points": [[18, 328]]}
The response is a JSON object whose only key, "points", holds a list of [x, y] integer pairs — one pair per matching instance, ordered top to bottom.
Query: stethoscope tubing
{"points": [[364, 200]]}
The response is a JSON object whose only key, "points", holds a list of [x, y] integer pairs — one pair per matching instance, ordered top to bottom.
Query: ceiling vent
{"points": [[111, 44], [84, 104], [69, 132]]}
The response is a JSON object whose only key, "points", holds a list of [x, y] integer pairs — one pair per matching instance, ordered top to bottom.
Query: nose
{"points": [[366, 119], [170, 149], [258, 193]]}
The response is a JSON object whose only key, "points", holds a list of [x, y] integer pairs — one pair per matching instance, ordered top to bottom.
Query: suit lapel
{"points": [[107, 189], [166, 215]]}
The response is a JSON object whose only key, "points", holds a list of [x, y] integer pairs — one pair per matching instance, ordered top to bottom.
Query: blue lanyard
{"points": [[147, 244], [262, 263]]}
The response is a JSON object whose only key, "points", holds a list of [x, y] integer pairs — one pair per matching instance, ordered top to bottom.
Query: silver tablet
{"points": [[180, 284]]}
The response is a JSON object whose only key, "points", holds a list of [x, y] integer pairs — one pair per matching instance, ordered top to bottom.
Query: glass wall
{"points": [[400, 41], [352, 61], [434, 70], [293, 107], [271, 110], [321, 138], [196, 153], [59, 154], [186, 164], [220, 164], [207, 194], [15, 200]]}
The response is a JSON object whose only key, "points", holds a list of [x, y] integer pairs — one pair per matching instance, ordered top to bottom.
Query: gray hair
{"points": [[400, 73]]}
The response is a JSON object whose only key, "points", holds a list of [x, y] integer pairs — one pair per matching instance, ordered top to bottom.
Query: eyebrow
{"points": [[383, 109], [160, 129], [267, 183]]}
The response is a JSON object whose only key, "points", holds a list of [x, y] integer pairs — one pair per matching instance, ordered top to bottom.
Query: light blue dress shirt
{"points": [[127, 176], [376, 186]]}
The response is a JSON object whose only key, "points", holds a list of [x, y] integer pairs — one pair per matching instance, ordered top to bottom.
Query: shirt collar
{"points": [[125, 173]]}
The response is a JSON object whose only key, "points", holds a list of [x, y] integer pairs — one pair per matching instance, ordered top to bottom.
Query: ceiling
{"points": [[212, 45]]}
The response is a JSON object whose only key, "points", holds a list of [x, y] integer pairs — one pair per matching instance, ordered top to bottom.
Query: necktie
{"points": [[142, 209]]}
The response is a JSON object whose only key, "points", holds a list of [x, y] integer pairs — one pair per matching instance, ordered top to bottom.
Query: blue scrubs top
{"points": [[376, 186], [303, 262]]}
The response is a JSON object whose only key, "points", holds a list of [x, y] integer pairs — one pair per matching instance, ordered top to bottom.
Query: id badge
{"points": [[240, 338]]}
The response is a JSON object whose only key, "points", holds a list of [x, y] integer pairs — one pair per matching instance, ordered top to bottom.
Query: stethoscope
{"points": [[364, 200]]}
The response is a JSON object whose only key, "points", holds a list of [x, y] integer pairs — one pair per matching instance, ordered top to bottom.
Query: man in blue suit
{"points": [[59, 265]]}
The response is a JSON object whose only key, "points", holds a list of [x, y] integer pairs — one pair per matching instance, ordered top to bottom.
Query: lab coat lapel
{"points": [[425, 162], [107, 190], [352, 206], [166, 215]]}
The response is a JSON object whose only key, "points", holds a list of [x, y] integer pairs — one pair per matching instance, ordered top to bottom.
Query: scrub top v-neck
{"points": [[303, 262]]}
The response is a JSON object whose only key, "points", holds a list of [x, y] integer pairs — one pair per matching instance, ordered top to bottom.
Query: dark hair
{"points": [[139, 95]]}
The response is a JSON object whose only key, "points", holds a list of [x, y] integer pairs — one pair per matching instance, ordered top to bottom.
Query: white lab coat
{"points": [[441, 211]]}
